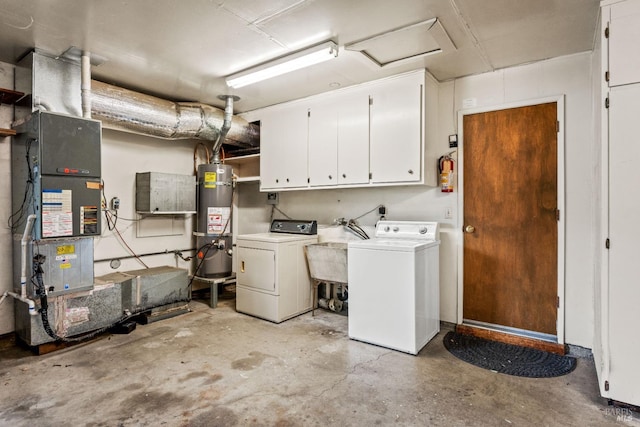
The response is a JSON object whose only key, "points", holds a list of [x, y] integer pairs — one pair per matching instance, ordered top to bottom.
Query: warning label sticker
{"points": [[210, 179], [57, 215], [218, 220]]}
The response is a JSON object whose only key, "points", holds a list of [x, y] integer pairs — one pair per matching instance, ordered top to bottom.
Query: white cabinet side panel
{"points": [[624, 234]]}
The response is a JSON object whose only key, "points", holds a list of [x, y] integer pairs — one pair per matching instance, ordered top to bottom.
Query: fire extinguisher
{"points": [[445, 171]]}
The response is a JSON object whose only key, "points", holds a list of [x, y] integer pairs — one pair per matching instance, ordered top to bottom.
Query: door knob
{"points": [[469, 229]]}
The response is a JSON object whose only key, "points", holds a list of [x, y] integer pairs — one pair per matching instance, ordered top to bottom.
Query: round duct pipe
{"points": [[130, 111]]}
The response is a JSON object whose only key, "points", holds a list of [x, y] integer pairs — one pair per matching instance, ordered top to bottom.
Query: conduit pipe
{"points": [[85, 82], [126, 110], [24, 243], [31, 303]]}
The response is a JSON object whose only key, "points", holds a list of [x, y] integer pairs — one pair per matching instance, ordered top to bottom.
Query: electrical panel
{"points": [[56, 175]]}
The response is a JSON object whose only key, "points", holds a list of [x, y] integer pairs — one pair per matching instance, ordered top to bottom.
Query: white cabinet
{"points": [[624, 33], [396, 129], [377, 133], [353, 137], [339, 139], [323, 143], [283, 147], [624, 211], [617, 292]]}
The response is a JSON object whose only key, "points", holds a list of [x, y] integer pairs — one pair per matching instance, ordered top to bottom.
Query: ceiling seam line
{"points": [[471, 34]]}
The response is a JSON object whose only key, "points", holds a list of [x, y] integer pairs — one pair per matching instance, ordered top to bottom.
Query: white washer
{"points": [[272, 277], [394, 286]]}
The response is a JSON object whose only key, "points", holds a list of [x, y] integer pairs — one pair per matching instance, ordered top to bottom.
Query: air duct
{"points": [[130, 111]]}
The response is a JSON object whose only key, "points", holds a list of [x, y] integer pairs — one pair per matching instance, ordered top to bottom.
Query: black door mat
{"points": [[508, 358]]}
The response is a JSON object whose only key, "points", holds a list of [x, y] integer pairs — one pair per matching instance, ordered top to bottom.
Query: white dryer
{"points": [[272, 277], [394, 298]]}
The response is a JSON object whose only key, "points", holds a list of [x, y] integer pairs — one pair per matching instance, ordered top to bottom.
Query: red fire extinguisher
{"points": [[445, 171]]}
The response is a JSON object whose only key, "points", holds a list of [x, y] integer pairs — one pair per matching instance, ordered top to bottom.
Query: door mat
{"points": [[508, 358]]}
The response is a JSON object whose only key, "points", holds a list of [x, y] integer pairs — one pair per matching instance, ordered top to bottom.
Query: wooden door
{"points": [[510, 207]]}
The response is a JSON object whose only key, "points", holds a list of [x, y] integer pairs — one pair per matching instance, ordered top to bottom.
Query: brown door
{"points": [[510, 226]]}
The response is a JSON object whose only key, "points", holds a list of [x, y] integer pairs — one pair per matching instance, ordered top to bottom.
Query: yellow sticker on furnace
{"points": [[210, 179], [65, 250], [65, 265]]}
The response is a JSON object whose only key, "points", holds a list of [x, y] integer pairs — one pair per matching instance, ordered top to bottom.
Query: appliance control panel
{"points": [[294, 226], [412, 230]]}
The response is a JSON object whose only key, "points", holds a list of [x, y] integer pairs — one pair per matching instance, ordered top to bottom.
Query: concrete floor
{"points": [[215, 367]]}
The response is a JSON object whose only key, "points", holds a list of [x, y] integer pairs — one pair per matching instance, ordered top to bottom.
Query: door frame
{"points": [[559, 100]]}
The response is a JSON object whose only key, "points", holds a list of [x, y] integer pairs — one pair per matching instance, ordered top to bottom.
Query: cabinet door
{"points": [[624, 33], [396, 130], [353, 137], [323, 143], [283, 147], [624, 235]]}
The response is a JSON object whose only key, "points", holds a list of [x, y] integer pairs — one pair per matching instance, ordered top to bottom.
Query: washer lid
{"points": [[404, 245]]}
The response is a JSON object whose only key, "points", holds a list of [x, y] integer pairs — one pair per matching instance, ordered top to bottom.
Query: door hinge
{"points": [[606, 32], [606, 76], [370, 101], [606, 102], [308, 113], [557, 126], [370, 175], [308, 180], [557, 214], [607, 243], [557, 302], [606, 386]]}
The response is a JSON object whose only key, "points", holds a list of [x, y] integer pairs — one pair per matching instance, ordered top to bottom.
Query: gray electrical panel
{"points": [[158, 192]]}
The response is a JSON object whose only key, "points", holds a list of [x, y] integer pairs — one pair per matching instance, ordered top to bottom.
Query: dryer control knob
{"points": [[387, 229], [396, 229]]}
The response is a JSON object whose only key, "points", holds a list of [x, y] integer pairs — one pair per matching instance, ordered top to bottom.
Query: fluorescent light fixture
{"points": [[300, 59]]}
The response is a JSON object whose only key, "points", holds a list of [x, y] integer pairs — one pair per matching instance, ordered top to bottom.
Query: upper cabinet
{"points": [[623, 34], [397, 126], [374, 134], [339, 139], [283, 147]]}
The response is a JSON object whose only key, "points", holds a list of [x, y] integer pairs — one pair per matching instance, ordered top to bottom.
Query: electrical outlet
{"points": [[272, 198], [115, 204], [448, 212]]}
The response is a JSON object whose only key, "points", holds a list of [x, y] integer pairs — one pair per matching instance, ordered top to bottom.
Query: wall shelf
{"points": [[9, 97], [246, 168]]}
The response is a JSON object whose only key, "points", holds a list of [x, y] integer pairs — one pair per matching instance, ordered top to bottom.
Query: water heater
{"points": [[213, 233]]}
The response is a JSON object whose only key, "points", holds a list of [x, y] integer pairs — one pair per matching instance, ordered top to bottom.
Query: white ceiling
{"points": [[182, 50]]}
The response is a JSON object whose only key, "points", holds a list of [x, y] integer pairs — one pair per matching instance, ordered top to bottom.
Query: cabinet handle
{"points": [[410, 171], [344, 175], [330, 177], [287, 179], [277, 181], [242, 267]]}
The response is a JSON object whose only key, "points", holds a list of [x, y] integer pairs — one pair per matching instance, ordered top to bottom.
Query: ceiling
{"points": [[182, 50]]}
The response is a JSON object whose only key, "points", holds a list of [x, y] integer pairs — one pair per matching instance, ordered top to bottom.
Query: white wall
{"points": [[570, 76], [6, 117], [124, 154]]}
